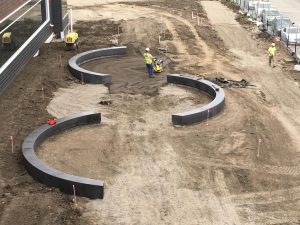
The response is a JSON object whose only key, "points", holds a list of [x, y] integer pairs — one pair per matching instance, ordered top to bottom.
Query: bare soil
{"points": [[128, 74], [240, 167]]}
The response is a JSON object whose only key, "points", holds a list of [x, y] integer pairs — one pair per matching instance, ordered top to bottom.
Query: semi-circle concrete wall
{"points": [[90, 76], [201, 113], [49, 176]]}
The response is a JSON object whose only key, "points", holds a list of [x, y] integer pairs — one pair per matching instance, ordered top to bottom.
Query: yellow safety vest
{"points": [[272, 51], [148, 59]]}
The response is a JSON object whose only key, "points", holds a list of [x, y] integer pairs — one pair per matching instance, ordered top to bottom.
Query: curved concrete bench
{"points": [[90, 76], [202, 113], [49, 176]]}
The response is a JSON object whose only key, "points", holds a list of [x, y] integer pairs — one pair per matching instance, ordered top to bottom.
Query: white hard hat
{"points": [[273, 44], [147, 49]]}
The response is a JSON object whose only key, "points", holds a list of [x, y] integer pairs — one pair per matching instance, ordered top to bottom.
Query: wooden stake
{"points": [[60, 60], [82, 78], [43, 96], [273, 110], [207, 117], [12, 143], [258, 147], [74, 195]]}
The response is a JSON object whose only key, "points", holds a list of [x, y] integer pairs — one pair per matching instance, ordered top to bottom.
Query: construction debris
{"points": [[224, 83]]}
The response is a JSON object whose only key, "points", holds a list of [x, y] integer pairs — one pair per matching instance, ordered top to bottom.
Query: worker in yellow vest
{"points": [[272, 52], [149, 62]]}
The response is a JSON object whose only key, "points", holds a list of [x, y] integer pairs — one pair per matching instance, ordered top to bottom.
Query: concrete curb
{"points": [[90, 76], [202, 113], [49, 176]]}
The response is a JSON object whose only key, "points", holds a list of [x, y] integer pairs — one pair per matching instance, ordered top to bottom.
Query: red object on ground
{"points": [[52, 121]]}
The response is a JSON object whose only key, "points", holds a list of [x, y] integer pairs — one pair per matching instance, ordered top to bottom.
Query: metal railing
{"points": [[21, 25], [28, 33]]}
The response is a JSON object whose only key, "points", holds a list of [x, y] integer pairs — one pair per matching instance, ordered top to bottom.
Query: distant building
{"points": [[8, 6]]}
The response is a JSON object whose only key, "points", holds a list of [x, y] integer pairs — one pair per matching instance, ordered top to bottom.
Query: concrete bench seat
{"points": [[90, 76], [201, 113], [51, 177]]}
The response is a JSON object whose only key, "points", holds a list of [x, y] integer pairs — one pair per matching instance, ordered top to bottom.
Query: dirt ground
{"points": [[240, 167]]}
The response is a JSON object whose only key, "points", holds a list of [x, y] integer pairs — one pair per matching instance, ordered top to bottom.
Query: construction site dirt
{"points": [[240, 167]]}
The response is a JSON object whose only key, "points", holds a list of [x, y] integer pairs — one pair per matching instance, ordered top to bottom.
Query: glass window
{"points": [[16, 29]]}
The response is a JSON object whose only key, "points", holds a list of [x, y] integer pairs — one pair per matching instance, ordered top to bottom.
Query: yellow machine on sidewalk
{"points": [[7, 41], [71, 41]]}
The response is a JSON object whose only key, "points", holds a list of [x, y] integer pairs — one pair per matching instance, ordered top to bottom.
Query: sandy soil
{"points": [[215, 172], [202, 174]]}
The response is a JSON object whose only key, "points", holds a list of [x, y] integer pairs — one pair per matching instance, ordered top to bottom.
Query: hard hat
{"points": [[273, 44], [147, 49]]}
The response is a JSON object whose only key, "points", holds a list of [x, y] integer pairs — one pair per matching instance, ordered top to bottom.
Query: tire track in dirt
{"points": [[208, 53], [269, 169], [267, 197], [232, 216]]}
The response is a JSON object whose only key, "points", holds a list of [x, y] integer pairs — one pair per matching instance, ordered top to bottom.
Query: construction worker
{"points": [[272, 52], [149, 62]]}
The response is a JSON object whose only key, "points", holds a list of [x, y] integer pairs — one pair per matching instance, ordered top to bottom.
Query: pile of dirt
{"points": [[96, 34]]}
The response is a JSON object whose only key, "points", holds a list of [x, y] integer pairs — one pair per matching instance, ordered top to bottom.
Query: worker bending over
{"points": [[272, 52], [149, 62]]}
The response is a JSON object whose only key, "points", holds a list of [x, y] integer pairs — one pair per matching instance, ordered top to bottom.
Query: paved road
{"points": [[290, 8]]}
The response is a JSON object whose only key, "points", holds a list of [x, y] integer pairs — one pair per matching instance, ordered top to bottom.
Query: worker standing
{"points": [[272, 52], [149, 62]]}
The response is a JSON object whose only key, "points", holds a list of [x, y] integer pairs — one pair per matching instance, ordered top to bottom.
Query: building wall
{"points": [[7, 6], [22, 53]]}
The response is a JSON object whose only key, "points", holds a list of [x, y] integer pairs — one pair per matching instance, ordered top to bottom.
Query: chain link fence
{"points": [[279, 26], [291, 37]]}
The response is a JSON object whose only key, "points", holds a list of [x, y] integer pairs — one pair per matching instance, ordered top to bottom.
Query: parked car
{"points": [[259, 7], [250, 8], [266, 17], [279, 23], [291, 35]]}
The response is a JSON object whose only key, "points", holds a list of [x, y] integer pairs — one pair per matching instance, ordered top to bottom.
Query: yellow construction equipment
{"points": [[7, 40], [71, 41], [158, 65]]}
